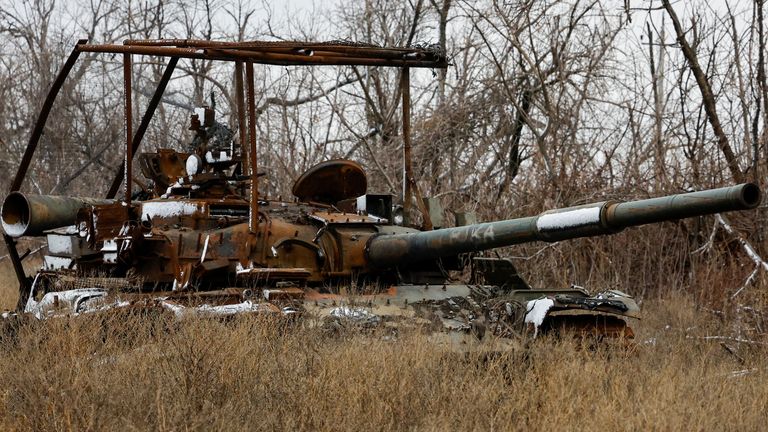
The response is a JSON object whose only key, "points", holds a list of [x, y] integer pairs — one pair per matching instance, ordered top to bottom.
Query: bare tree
{"points": [[710, 105]]}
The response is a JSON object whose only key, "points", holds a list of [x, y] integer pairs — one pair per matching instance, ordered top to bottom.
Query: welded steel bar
{"points": [[202, 43], [305, 48], [142, 50], [351, 52], [283, 59], [300, 59], [405, 90], [241, 125], [128, 127], [138, 136], [253, 219], [574, 222], [18, 268]]}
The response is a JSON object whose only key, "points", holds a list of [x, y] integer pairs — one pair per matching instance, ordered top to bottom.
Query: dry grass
{"points": [[9, 285], [140, 373], [156, 373]]}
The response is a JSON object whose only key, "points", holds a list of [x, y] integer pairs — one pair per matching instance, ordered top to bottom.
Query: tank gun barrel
{"points": [[587, 220]]}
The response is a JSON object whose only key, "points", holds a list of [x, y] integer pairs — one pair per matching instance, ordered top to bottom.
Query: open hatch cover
{"points": [[331, 181]]}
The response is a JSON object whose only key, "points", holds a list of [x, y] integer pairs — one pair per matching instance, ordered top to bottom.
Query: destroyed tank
{"points": [[199, 238]]}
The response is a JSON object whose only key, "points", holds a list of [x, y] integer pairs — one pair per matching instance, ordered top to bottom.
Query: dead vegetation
{"points": [[549, 104], [154, 373]]}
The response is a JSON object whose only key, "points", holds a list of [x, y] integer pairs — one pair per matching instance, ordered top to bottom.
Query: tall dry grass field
{"points": [[700, 360], [156, 373]]}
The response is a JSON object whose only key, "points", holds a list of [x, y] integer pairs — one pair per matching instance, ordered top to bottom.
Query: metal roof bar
{"points": [[280, 53]]}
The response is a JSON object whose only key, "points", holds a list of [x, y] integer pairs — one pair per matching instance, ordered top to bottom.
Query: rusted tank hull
{"points": [[460, 312]]}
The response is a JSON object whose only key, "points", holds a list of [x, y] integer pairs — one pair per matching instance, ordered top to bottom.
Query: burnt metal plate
{"points": [[331, 181], [343, 218], [275, 272]]}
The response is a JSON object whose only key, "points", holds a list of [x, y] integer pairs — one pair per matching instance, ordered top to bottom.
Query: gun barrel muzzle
{"points": [[31, 215]]}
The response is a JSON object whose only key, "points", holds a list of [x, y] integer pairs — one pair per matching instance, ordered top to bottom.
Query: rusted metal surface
{"points": [[338, 47], [321, 49], [294, 54], [405, 89], [128, 95], [241, 123], [164, 167], [330, 182], [334, 217], [253, 220], [98, 224], [18, 268]]}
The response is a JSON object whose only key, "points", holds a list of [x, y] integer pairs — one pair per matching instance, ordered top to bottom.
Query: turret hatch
{"points": [[331, 181]]}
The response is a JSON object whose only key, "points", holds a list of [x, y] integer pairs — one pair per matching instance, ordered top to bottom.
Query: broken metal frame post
{"points": [[405, 89], [241, 125], [128, 127], [142, 129], [253, 219], [24, 284]]}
